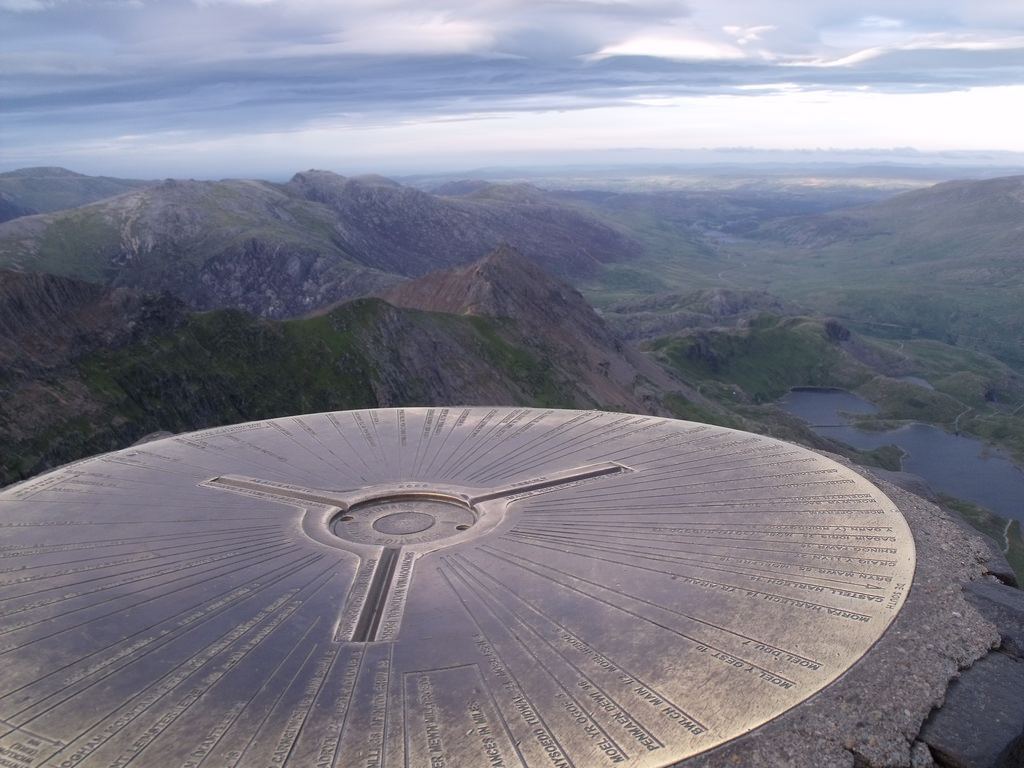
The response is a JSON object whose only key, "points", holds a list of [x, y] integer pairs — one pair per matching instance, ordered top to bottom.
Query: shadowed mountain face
{"points": [[285, 250], [116, 364]]}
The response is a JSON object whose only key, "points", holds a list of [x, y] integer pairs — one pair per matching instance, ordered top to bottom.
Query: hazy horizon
{"points": [[219, 88]]}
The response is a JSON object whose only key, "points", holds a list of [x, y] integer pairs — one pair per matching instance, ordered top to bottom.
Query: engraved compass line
{"points": [[509, 432], [443, 435], [558, 441], [304, 447], [462, 447], [566, 448], [495, 469], [672, 490], [794, 548], [791, 549], [11, 551], [722, 551], [662, 554], [511, 558], [161, 560], [460, 570], [198, 572], [771, 576], [234, 596], [518, 599], [117, 610], [269, 616], [175, 679], [513, 685], [72, 686], [181, 704], [336, 727]]}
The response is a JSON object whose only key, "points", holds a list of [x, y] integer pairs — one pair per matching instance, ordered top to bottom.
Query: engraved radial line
{"points": [[511, 435], [560, 435], [482, 437], [424, 439], [555, 441], [304, 446], [465, 446], [567, 446], [443, 448], [353, 451], [653, 490], [286, 493], [656, 540], [120, 542], [785, 548], [501, 555], [672, 556], [150, 561], [460, 570], [281, 571], [158, 574], [202, 576], [518, 599], [275, 621], [360, 654], [508, 669], [315, 696], [273, 705]]}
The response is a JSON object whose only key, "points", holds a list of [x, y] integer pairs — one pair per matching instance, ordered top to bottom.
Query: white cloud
{"points": [[680, 46]]}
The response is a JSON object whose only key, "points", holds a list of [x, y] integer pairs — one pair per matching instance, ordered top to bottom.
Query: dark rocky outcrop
{"points": [[551, 318], [47, 322]]}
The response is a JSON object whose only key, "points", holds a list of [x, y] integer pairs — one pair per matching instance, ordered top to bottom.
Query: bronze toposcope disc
{"points": [[433, 588]]}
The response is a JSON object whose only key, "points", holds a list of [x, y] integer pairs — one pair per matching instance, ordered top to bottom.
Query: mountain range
{"points": [[282, 250], [181, 304]]}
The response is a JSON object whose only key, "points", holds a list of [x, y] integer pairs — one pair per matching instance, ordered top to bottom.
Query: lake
{"points": [[960, 466]]}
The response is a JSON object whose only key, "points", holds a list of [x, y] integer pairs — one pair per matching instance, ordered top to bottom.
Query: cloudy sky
{"points": [[210, 88]]}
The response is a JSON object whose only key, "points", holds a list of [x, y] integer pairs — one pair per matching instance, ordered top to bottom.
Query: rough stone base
{"points": [[890, 709]]}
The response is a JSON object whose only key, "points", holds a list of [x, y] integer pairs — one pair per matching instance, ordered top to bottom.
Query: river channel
{"points": [[960, 466]]}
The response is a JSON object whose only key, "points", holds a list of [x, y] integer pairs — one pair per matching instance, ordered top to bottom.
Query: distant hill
{"points": [[43, 190], [281, 250]]}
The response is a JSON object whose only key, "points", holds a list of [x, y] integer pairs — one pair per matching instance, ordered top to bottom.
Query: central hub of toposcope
{"points": [[400, 519]]}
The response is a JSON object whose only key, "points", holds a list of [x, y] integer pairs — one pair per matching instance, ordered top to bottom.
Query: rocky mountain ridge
{"points": [[282, 250], [552, 318], [122, 363]]}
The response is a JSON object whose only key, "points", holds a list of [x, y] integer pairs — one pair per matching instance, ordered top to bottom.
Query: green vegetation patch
{"points": [[766, 359]]}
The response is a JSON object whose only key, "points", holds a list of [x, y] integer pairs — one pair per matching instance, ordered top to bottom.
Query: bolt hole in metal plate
{"points": [[434, 587]]}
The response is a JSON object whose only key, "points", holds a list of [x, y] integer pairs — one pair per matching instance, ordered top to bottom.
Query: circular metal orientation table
{"points": [[432, 588]]}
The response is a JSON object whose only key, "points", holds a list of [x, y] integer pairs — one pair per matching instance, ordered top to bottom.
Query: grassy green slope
{"points": [[226, 366]]}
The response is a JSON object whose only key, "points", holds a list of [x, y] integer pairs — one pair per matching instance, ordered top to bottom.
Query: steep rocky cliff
{"points": [[550, 318]]}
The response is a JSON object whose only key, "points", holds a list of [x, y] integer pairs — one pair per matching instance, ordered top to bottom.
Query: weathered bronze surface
{"points": [[431, 588]]}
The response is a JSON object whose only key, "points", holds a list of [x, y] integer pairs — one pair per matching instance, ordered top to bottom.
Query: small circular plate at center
{"points": [[401, 520], [403, 523]]}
